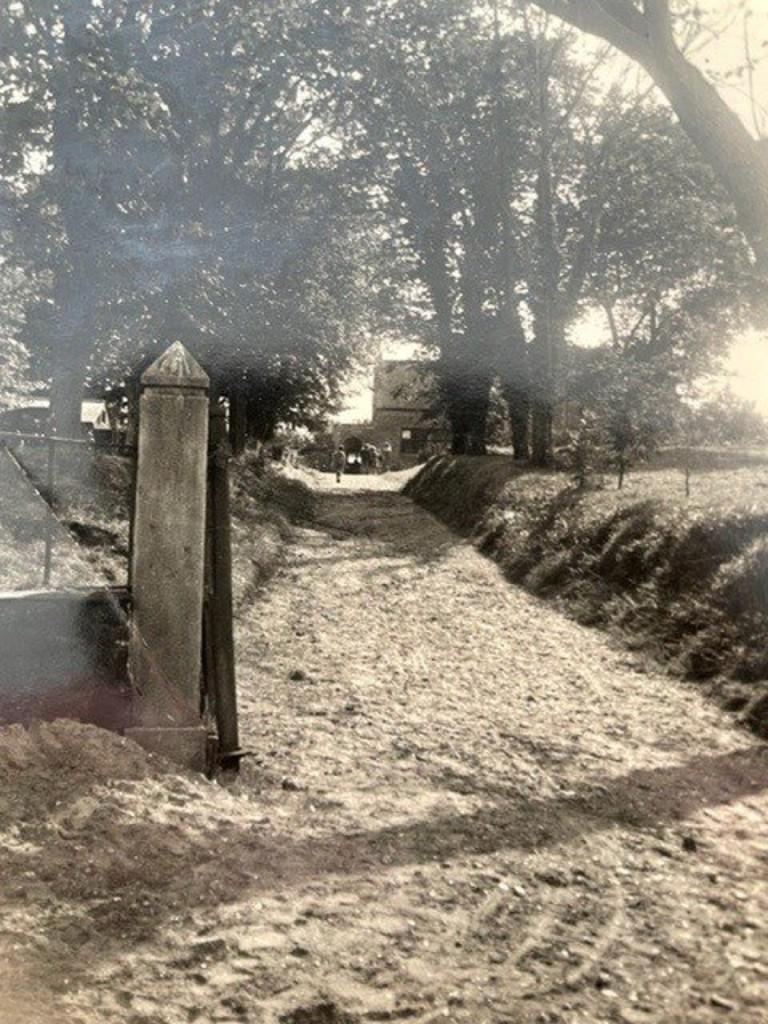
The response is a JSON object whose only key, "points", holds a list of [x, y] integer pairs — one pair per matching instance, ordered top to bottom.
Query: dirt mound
{"points": [[461, 491], [264, 494], [265, 507], [684, 580], [51, 762], [101, 841]]}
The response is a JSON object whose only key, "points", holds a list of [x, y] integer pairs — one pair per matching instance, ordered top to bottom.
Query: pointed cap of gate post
{"points": [[175, 368]]}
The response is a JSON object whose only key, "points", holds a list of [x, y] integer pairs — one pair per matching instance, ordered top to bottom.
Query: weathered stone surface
{"points": [[176, 367], [168, 543], [187, 746]]}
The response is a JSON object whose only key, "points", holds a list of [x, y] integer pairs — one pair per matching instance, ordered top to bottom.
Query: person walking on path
{"points": [[386, 456], [339, 462]]}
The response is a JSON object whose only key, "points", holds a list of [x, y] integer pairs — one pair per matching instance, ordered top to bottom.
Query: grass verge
{"points": [[91, 499], [265, 507], [682, 578]]}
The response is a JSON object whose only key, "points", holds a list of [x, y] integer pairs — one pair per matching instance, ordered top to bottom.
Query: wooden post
{"points": [[238, 418], [50, 480], [167, 559], [221, 638]]}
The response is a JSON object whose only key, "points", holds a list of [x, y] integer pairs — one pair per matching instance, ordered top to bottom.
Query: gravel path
{"points": [[463, 807], [535, 828]]}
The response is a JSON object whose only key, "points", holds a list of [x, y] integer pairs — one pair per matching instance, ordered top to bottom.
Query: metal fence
{"points": [[28, 497], [174, 688]]}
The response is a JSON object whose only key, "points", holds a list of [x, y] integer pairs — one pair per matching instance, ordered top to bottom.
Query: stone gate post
{"points": [[167, 558]]}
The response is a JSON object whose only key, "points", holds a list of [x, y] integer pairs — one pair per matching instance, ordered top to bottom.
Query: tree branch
{"points": [[659, 21], [618, 22]]}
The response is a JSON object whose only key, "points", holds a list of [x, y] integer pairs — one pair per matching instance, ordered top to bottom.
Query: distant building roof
{"points": [[92, 413]]}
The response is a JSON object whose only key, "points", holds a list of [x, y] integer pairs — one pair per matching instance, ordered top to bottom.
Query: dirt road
{"points": [[463, 808]]}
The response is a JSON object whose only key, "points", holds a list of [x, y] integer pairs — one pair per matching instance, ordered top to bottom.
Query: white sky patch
{"points": [[739, 37], [728, 54], [590, 330], [746, 369]]}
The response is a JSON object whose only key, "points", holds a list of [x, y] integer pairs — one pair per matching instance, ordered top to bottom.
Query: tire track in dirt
{"points": [[450, 716], [462, 807]]}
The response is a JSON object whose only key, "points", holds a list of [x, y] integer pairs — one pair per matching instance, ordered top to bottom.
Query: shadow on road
{"points": [[385, 517], [642, 799], [245, 860]]}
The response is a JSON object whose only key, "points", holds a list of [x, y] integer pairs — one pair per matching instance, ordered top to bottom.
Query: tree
{"points": [[644, 31], [426, 85], [572, 138], [494, 158], [58, 179], [183, 195], [670, 268], [16, 381], [627, 406], [726, 419]]}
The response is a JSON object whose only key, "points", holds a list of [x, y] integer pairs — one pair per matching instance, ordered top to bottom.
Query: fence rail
{"points": [[44, 485], [175, 690]]}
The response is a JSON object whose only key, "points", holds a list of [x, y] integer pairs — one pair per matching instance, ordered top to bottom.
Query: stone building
{"points": [[404, 413]]}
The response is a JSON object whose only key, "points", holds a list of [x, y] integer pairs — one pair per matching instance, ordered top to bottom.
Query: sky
{"points": [[746, 368]]}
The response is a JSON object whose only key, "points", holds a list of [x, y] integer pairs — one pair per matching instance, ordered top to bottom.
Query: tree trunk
{"points": [[738, 160], [78, 268], [548, 325], [548, 343], [513, 355], [546, 358], [513, 366], [518, 400], [66, 403], [467, 406], [542, 416], [261, 419], [238, 420]]}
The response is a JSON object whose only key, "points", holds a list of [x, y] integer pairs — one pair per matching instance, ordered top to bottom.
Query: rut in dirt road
{"points": [[437, 713], [462, 807]]}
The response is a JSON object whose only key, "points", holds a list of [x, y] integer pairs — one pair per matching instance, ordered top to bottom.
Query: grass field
{"points": [[90, 498], [684, 578]]}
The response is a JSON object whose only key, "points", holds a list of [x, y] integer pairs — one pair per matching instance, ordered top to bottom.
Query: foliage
{"points": [[655, 35], [426, 85], [274, 185], [177, 191], [517, 191], [670, 269], [16, 378], [626, 406], [726, 419], [497, 423], [582, 450]]}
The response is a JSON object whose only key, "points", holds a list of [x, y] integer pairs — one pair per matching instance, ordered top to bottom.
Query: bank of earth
{"points": [[462, 806]]}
